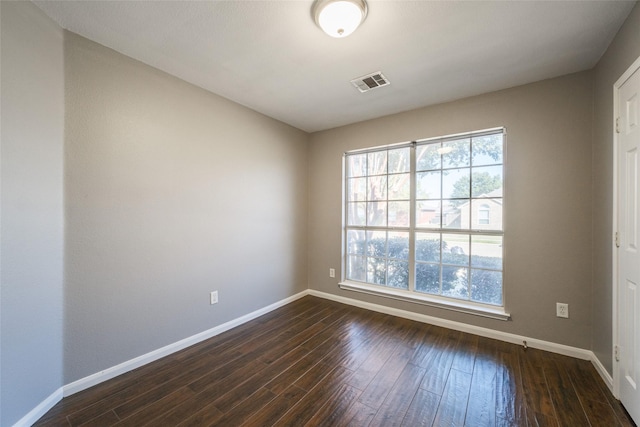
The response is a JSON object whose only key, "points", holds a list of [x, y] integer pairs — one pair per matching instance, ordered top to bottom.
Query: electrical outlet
{"points": [[332, 272], [214, 297], [562, 310]]}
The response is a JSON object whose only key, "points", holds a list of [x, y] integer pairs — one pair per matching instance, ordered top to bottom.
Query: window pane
{"points": [[487, 150], [456, 153], [428, 157], [399, 160], [377, 163], [357, 165], [487, 182], [455, 184], [428, 185], [399, 186], [377, 188], [357, 189], [356, 213], [377, 214], [399, 214], [428, 214], [486, 214], [455, 215], [356, 241], [377, 243], [398, 246], [428, 247], [455, 249], [486, 252], [357, 268], [376, 269], [398, 274], [428, 278], [455, 282], [486, 286]]}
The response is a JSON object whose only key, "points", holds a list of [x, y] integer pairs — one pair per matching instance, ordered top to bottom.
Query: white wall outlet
{"points": [[332, 272], [214, 297], [562, 310]]}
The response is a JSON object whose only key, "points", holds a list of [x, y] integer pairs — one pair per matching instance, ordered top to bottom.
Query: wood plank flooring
{"points": [[319, 363]]}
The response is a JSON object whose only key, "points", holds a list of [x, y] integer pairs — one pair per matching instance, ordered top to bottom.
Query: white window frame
{"points": [[410, 295]]}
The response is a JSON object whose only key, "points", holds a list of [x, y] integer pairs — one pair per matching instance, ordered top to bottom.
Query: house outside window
{"points": [[425, 219]]}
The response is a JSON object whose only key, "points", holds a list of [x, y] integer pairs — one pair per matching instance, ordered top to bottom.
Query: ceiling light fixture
{"points": [[339, 18]]}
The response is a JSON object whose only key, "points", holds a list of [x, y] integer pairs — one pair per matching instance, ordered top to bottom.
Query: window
{"points": [[483, 214], [424, 220]]}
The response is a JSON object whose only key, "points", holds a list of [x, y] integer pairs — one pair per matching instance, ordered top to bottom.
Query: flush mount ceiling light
{"points": [[339, 18]]}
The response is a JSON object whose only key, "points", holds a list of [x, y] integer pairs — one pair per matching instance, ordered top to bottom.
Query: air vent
{"points": [[370, 81]]}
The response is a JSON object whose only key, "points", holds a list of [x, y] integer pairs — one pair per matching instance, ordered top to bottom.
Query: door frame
{"points": [[616, 113]]}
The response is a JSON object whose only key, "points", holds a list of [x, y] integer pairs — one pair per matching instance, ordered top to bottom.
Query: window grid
{"points": [[469, 251]]}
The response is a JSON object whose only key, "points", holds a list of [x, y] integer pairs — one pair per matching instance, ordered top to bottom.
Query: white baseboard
{"points": [[566, 350], [132, 364], [606, 376], [36, 413]]}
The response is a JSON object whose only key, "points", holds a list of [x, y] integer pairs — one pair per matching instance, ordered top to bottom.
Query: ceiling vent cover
{"points": [[370, 81]]}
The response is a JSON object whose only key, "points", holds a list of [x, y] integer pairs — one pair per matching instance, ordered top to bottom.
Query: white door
{"points": [[628, 286]]}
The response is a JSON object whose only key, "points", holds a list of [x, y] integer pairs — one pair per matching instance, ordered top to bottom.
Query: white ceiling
{"points": [[271, 57]]}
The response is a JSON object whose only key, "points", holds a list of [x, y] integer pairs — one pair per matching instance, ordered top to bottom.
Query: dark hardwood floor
{"points": [[319, 363]]}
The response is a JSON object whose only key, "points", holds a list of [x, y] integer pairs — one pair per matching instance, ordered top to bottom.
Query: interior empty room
{"points": [[254, 213]]}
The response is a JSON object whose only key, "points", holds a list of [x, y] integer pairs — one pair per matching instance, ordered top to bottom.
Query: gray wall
{"points": [[624, 49], [171, 192], [547, 201], [31, 214]]}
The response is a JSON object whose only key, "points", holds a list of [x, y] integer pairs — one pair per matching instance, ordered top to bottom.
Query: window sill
{"points": [[432, 301]]}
